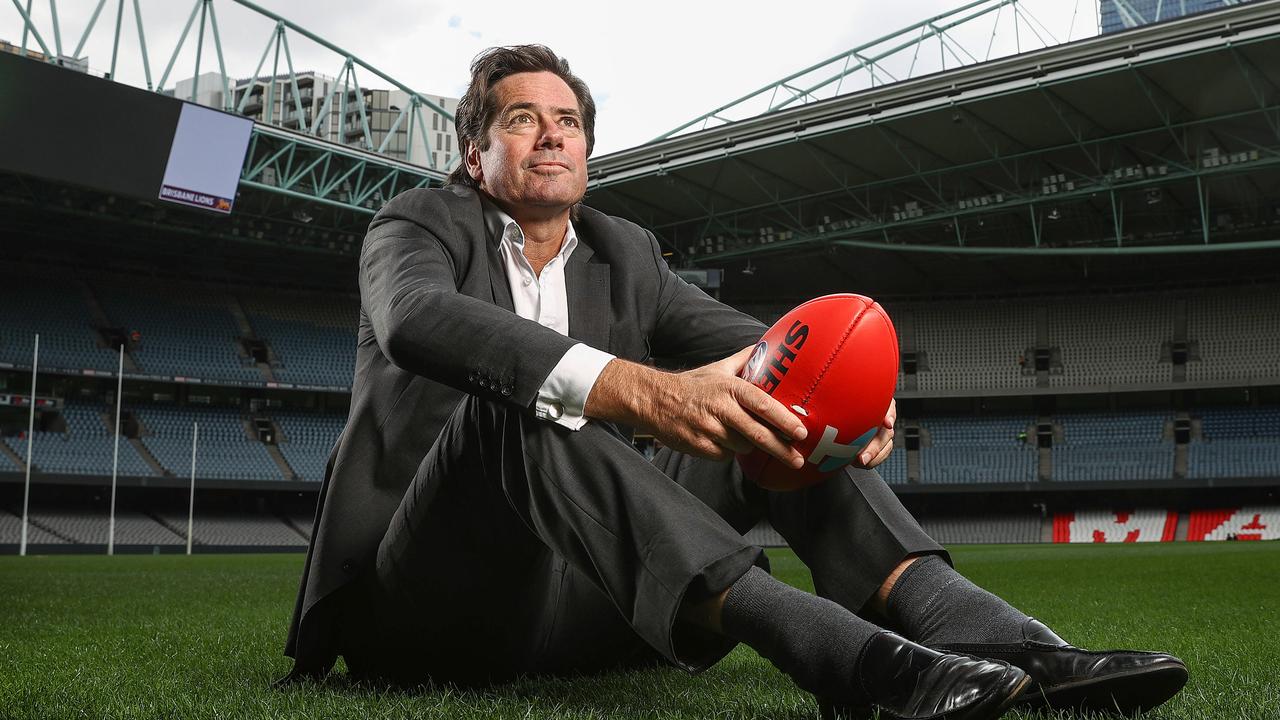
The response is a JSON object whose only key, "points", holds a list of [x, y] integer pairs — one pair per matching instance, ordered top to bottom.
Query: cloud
{"points": [[455, 21]]}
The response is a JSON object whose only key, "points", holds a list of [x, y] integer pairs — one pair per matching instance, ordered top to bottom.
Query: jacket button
{"points": [[506, 389], [348, 567]]}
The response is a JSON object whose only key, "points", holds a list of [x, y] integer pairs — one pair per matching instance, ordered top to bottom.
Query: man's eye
{"points": [[521, 119], [570, 121]]}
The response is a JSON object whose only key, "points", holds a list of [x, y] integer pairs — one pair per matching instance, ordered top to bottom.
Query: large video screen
{"points": [[75, 128], [205, 158]]}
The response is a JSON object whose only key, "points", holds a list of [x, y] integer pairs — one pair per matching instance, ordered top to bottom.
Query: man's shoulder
{"points": [[419, 204], [609, 225], [616, 239]]}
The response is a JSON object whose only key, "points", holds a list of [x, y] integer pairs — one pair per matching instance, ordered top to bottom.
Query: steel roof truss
{"points": [[1249, 72], [1160, 100], [1060, 108], [895, 140], [774, 195]]}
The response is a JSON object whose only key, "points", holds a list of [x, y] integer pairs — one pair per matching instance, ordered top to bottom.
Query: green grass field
{"points": [[201, 637]]}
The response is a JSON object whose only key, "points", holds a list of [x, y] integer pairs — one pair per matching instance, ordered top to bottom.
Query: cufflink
{"points": [[555, 410]]}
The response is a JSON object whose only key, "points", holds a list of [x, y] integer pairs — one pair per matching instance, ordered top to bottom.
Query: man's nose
{"points": [[552, 136]]}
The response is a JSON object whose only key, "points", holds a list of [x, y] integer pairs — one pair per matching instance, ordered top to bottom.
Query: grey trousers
{"points": [[522, 547]]}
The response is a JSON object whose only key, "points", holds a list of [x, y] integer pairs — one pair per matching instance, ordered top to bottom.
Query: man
{"points": [[484, 514]]}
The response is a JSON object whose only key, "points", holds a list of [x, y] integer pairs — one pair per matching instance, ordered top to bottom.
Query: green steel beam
{"points": [[208, 17], [27, 25], [88, 27], [928, 28], [932, 28], [57, 32], [115, 42], [142, 44], [330, 46], [177, 48], [195, 77], [296, 158]]}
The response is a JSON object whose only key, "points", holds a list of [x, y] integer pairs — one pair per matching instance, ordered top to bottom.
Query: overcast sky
{"points": [[651, 65]]}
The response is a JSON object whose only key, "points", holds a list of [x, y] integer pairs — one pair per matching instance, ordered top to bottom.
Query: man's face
{"points": [[537, 156]]}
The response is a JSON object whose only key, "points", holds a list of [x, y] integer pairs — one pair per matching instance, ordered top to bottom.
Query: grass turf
{"points": [[201, 637]]}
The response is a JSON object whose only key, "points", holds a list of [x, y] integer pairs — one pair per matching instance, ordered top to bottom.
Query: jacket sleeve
{"points": [[409, 283], [693, 328]]}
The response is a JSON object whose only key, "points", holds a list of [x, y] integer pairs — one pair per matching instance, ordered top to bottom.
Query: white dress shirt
{"points": [[543, 298]]}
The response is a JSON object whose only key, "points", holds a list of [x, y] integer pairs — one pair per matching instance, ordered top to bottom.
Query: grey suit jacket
{"points": [[437, 321]]}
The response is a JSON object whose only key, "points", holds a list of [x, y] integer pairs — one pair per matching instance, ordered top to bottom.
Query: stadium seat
{"points": [[978, 450], [1244, 523], [1120, 526]]}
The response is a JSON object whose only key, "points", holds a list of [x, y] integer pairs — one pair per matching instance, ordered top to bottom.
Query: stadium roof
{"points": [[1159, 139]]}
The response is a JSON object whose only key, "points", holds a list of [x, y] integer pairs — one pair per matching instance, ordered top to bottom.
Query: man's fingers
{"points": [[733, 364], [770, 411], [761, 436], [735, 441], [872, 449], [882, 455]]}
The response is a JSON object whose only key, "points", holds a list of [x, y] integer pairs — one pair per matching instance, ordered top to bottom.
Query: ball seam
{"points": [[835, 351]]}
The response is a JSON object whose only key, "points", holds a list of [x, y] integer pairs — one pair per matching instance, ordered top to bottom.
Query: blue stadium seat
{"points": [[61, 317], [306, 441], [1237, 443], [1115, 446], [86, 448], [978, 450], [225, 451]]}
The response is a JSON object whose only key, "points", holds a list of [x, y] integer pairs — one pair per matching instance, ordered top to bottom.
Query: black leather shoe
{"points": [[1066, 677], [907, 681]]}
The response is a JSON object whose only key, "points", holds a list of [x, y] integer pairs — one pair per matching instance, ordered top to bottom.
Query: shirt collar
{"points": [[503, 228]]}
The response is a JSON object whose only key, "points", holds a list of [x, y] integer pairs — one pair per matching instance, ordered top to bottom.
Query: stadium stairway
{"points": [[101, 320], [247, 331], [145, 453], [18, 461], [280, 461], [298, 525], [11, 530], [50, 534]]}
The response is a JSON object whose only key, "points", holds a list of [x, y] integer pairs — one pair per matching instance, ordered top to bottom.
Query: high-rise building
{"points": [[1117, 15], [271, 100], [441, 139]]}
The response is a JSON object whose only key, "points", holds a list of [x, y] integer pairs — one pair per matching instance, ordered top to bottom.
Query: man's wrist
{"points": [[618, 394]]}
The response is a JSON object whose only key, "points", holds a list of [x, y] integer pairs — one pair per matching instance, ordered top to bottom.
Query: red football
{"points": [[834, 362]]}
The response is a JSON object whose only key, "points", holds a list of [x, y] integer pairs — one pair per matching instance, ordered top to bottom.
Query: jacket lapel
{"points": [[497, 268], [498, 278], [587, 287]]}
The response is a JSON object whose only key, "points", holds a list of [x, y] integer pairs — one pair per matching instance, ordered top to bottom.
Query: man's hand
{"points": [[708, 411], [877, 451]]}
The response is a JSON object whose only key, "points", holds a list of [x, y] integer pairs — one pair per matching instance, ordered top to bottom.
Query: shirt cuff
{"points": [[563, 395]]}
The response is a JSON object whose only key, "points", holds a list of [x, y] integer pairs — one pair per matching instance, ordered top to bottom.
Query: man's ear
{"points": [[472, 159]]}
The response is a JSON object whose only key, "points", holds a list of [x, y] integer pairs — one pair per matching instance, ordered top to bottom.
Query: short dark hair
{"points": [[478, 106]]}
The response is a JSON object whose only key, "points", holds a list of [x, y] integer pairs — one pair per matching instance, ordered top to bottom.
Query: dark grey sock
{"points": [[933, 604], [813, 640]]}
